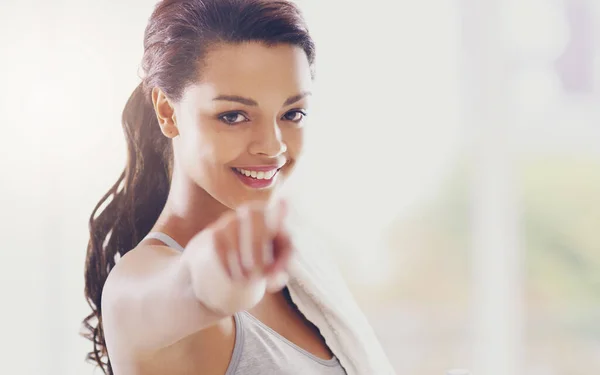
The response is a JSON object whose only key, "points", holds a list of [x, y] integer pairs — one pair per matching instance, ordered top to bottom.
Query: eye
{"points": [[295, 115], [233, 118]]}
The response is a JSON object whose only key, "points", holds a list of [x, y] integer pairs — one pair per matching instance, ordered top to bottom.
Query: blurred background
{"points": [[453, 163]]}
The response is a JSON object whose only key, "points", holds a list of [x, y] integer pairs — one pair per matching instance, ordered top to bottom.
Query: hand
{"points": [[252, 243]]}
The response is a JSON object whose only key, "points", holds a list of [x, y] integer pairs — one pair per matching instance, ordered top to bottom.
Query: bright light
{"points": [[535, 29], [536, 90]]}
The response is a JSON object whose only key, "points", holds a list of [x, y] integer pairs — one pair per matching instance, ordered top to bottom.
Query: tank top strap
{"points": [[164, 238]]}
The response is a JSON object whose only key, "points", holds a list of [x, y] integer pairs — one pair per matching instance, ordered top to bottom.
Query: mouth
{"points": [[257, 177]]}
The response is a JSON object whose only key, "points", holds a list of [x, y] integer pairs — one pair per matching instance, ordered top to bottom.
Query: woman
{"points": [[187, 263]]}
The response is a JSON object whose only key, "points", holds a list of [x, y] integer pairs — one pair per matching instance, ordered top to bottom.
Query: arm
{"points": [[155, 296], [148, 302]]}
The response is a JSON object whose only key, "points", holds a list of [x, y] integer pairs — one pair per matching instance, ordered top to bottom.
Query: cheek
{"points": [[294, 139], [197, 146], [211, 149], [196, 150]]}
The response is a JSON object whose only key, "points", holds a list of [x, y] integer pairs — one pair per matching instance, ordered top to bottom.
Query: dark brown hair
{"points": [[177, 37]]}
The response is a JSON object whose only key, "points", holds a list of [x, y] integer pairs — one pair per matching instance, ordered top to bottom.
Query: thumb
{"points": [[277, 281]]}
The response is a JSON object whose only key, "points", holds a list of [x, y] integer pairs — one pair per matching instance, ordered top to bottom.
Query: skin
{"points": [[212, 133], [206, 147]]}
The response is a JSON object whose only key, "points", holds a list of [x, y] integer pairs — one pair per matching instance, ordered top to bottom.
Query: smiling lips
{"points": [[257, 177]]}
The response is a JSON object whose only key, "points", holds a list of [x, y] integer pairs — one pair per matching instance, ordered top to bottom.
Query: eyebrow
{"points": [[253, 103]]}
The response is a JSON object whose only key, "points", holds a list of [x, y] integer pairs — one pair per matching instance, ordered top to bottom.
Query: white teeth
{"points": [[258, 175], [269, 175]]}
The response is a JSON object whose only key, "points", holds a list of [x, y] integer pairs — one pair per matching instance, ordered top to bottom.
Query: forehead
{"points": [[254, 70]]}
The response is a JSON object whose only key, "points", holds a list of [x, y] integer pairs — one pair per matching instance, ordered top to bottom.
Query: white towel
{"points": [[320, 293]]}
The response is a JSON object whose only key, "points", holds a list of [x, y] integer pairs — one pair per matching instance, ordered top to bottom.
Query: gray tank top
{"points": [[258, 349]]}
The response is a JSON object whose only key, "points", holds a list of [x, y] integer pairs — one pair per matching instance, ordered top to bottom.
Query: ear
{"points": [[165, 113]]}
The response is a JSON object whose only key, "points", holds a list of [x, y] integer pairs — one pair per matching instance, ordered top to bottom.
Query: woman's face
{"points": [[241, 127]]}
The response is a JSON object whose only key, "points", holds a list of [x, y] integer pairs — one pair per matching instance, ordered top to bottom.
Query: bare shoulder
{"points": [[141, 260], [127, 276], [127, 287], [150, 312], [151, 327]]}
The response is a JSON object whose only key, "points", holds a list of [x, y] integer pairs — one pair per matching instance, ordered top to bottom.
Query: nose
{"points": [[268, 141]]}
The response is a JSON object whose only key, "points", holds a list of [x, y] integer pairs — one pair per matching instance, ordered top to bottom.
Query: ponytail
{"points": [[131, 207]]}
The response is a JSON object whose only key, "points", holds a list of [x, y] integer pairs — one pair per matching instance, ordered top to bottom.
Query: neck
{"points": [[188, 210]]}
